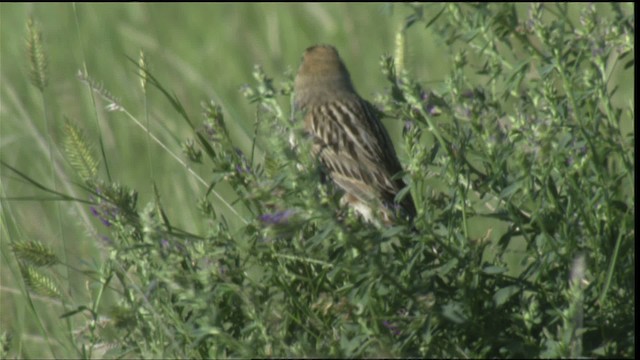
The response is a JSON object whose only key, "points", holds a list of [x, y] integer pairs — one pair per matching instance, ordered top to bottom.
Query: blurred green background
{"points": [[199, 52]]}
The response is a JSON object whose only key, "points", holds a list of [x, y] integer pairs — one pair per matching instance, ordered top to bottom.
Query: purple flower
{"points": [[424, 95], [429, 104], [433, 110], [210, 132], [582, 150], [243, 167], [240, 169], [105, 212], [101, 216], [277, 218], [105, 222], [107, 240], [394, 329]]}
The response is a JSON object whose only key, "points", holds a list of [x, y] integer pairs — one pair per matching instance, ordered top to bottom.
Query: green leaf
{"points": [[492, 270], [503, 295]]}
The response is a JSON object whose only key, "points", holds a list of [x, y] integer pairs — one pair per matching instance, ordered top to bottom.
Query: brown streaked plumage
{"points": [[348, 137]]}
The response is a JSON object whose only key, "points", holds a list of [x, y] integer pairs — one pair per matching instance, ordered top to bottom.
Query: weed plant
{"points": [[520, 161]]}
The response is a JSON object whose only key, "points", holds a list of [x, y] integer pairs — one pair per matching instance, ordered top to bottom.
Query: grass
{"points": [[514, 124]]}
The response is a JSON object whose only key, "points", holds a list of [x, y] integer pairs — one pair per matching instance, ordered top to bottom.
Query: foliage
{"points": [[522, 170]]}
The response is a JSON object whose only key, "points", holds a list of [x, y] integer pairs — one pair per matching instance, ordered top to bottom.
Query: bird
{"points": [[348, 138]]}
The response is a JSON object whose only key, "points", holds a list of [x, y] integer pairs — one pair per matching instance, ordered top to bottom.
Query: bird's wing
{"points": [[353, 144]]}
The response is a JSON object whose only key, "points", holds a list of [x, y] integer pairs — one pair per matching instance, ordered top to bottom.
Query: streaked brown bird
{"points": [[348, 137]]}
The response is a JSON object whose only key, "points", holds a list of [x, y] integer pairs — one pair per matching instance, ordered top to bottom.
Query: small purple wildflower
{"points": [[424, 95], [429, 105], [432, 110], [210, 132], [583, 150], [570, 161], [243, 167], [240, 169], [105, 212], [101, 216], [278, 218], [105, 222], [107, 240], [394, 329]]}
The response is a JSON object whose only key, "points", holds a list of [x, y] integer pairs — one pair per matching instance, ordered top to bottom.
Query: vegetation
{"points": [[135, 224]]}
